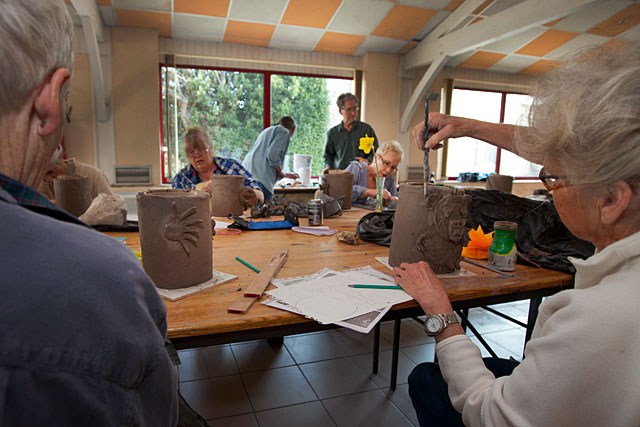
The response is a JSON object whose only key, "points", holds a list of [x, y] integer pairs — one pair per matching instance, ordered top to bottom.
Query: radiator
{"points": [[133, 175]]}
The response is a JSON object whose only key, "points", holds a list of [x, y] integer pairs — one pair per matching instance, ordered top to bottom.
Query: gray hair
{"points": [[36, 40], [342, 99], [586, 117], [390, 146], [56, 157]]}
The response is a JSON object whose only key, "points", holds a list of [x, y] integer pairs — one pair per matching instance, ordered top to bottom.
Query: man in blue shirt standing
{"points": [[343, 140], [266, 157]]}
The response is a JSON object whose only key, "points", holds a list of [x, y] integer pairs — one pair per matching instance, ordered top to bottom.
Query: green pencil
{"points": [[247, 264], [359, 286]]}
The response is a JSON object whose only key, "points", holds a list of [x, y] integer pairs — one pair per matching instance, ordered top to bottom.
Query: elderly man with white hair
{"points": [[83, 328]]}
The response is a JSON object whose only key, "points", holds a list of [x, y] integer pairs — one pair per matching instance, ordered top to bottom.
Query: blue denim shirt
{"points": [[83, 327]]}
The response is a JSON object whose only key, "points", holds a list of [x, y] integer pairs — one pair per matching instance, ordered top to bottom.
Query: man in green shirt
{"points": [[343, 139]]}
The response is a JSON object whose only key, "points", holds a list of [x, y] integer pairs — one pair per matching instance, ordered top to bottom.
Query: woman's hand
{"points": [[441, 127], [419, 281]]}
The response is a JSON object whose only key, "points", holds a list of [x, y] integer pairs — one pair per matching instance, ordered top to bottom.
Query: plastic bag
{"points": [[106, 209], [376, 227], [541, 236]]}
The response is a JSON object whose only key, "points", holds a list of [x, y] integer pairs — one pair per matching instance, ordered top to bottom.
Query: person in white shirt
{"points": [[581, 365]]}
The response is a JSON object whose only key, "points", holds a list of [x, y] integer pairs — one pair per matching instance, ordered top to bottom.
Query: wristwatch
{"points": [[436, 323]]}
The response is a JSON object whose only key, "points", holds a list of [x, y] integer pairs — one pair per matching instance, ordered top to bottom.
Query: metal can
{"points": [[315, 212], [503, 252]]}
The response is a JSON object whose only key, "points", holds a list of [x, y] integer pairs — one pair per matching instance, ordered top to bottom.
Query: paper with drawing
{"points": [[329, 299]]}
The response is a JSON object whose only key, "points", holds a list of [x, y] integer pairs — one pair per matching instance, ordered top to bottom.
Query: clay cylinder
{"points": [[339, 183], [500, 183], [72, 193], [229, 195], [431, 229], [175, 237]]}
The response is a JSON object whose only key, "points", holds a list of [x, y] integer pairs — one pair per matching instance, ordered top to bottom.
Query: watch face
{"points": [[433, 324]]}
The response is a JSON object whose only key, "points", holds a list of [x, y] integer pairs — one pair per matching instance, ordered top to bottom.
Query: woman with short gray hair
{"points": [[581, 365]]}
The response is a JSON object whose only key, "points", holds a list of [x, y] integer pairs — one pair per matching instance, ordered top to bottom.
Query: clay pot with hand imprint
{"points": [[175, 237]]}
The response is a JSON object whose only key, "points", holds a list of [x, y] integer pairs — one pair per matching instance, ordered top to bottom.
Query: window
{"points": [[230, 106], [472, 155]]}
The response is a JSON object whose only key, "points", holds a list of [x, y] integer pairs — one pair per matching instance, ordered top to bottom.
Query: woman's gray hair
{"points": [[36, 40], [586, 117], [390, 146]]}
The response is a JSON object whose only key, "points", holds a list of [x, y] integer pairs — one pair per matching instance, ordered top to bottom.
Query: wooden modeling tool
{"points": [[427, 171], [488, 267], [255, 290]]}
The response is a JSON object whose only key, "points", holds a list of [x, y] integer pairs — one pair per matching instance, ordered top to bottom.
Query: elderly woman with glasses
{"points": [[203, 165], [384, 165], [581, 365]]}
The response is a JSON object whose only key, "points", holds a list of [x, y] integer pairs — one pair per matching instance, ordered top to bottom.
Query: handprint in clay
{"points": [[181, 229]]}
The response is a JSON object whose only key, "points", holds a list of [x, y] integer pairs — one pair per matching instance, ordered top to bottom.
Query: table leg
{"points": [[534, 305], [376, 347], [394, 353]]}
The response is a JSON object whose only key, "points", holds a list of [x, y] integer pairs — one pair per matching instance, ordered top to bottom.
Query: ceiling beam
{"points": [[454, 18], [513, 20], [94, 32], [420, 90]]}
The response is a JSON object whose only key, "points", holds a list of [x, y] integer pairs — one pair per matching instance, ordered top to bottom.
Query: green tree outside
{"points": [[228, 105]]}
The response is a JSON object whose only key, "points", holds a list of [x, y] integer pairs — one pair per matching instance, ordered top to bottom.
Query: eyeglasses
{"points": [[351, 110], [68, 113], [197, 152], [388, 164], [551, 182]]}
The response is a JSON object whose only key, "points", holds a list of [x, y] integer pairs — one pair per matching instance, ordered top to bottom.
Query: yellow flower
{"points": [[366, 144]]}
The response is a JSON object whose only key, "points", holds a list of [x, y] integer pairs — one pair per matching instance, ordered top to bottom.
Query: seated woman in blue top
{"points": [[387, 158], [203, 165]]}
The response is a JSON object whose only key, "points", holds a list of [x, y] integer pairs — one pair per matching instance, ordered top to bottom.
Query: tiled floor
{"points": [[324, 378]]}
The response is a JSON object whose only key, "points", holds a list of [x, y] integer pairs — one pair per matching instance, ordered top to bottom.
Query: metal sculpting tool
{"points": [[426, 150]]}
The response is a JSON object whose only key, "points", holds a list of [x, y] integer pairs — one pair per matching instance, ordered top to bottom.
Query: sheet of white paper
{"points": [[132, 216], [221, 224], [316, 231], [329, 299]]}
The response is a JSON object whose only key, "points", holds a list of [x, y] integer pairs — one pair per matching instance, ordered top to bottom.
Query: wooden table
{"points": [[202, 319]]}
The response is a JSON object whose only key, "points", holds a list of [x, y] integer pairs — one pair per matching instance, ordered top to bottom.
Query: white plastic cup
{"points": [[305, 176]]}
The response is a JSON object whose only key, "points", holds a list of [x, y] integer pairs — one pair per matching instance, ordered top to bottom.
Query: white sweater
{"points": [[582, 365]]}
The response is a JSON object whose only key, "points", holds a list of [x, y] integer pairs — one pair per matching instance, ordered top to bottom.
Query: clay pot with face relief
{"points": [[338, 183], [72, 193], [229, 195], [432, 229], [175, 237]]}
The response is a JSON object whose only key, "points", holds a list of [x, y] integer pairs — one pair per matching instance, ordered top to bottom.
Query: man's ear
{"points": [[47, 106], [615, 202]]}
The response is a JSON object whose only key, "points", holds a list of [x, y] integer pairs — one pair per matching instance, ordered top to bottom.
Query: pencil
{"points": [[247, 264], [359, 286]]}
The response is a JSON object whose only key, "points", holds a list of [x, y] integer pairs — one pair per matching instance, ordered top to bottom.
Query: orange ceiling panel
{"points": [[104, 2], [453, 5], [202, 7], [482, 7], [310, 13], [144, 19], [478, 19], [403, 22], [552, 23], [618, 23], [248, 33], [546, 42], [341, 43], [613, 44], [407, 47], [481, 60], [540, 67]]}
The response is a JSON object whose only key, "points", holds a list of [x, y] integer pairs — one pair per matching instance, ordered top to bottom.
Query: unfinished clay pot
{"points": [[339, 183], [500, 183], [72, 193], [229, 195], [431, 229], [175, 237]]}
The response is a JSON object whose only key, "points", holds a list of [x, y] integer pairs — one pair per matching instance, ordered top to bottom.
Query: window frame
{"points": [[266, 84], [503, 103]]}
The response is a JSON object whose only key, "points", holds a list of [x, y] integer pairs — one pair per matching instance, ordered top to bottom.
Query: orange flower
{"points": [[479, 242]]}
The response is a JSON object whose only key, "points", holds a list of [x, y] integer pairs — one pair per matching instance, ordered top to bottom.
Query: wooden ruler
{"points": [[255, 290]]}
